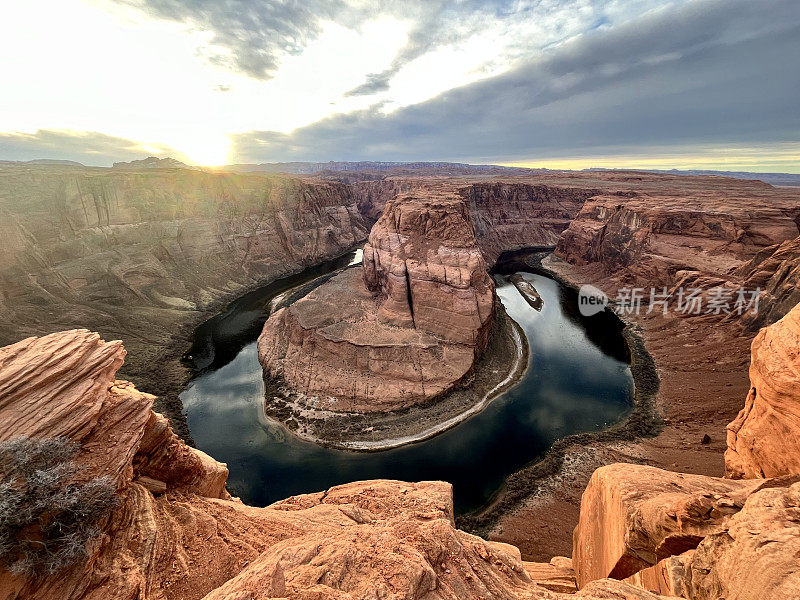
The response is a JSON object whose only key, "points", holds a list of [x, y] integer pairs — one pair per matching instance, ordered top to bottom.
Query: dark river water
{"points": [[578, 380]]}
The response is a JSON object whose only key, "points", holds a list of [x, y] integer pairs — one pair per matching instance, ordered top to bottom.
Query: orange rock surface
{"points": [[403, 329], [764, 439], [633, 516], [692, 536], [364, 540]]}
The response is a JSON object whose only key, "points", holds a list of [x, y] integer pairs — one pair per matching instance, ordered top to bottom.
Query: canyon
{"points": [[144, 256], [643, 533]]}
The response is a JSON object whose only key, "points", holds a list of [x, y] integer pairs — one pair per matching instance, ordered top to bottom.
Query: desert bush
{"points": [[46, 518]]}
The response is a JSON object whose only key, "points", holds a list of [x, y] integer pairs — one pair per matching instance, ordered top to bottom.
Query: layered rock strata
{"points": [[508, 213], [514, 215], [655, 236], [143, 254], [776, 271], [403, 329], [764, 439], [176, 534], [188, 540]]}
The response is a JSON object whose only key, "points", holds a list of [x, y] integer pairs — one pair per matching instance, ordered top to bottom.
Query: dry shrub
{"points": [[46, 519]]}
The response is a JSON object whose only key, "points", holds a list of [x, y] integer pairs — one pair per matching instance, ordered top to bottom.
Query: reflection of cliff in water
{"points": [[595, 327], [216, 342], [570, 387]]}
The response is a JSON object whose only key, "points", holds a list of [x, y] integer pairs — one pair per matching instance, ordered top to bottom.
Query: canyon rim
{"points": [[419, 300]]}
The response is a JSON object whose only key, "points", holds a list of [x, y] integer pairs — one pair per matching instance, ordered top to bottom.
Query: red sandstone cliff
{"points": [[508, 213], [514, 215], [654, 235], [143, 255], [776, 271], [402, 330], [764, 440], [176, 535], [691, 536]]}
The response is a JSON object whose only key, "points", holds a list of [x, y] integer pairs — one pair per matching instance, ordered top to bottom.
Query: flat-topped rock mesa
{"points": [[143, 254], [403, 329]]}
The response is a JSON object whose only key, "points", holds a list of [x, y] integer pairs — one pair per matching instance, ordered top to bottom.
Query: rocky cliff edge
{"points": [[176, 534]]}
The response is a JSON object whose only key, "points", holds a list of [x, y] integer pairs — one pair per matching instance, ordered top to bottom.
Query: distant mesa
{"points": [[43, 161], [153, 162], [430, 168], [779, 179]]}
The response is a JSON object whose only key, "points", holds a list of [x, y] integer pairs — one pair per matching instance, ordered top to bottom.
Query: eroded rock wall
{"points": [[508, 213], [511, 215], [663, 228], [141, 255], [423, 260], [776, 271], [403, 329], [764, 439]]}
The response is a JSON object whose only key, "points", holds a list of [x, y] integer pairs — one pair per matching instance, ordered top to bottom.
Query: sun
{"points": [[203, 149]]}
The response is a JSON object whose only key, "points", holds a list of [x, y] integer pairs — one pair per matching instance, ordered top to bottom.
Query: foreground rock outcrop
{"points": [[403, 329], [764, 440], [633, 516], [691, 536], [701, 537], [185, 539]]}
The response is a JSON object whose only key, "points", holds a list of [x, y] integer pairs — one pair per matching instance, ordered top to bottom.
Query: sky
{"points": [[710, 84]]}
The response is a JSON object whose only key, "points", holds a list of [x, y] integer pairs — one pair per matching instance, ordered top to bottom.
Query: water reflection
{"points": [[571, 385]]}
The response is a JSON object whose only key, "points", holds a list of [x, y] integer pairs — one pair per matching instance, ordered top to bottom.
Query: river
{"points": [[578, 380]]}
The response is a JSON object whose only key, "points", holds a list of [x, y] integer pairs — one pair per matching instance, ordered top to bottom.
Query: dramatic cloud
{"points": [[255, 34], [252, 36], [706, 72], [467, 80], [90, 148]]}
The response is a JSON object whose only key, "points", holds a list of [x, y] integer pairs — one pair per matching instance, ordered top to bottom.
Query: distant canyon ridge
{"points": [[145, 252]]}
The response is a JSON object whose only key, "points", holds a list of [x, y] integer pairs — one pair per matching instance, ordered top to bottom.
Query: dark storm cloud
{"points": [[710, 71], [90, 148]]}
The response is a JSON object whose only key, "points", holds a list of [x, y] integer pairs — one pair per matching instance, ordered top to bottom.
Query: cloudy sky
{"points": [[555, 83]]}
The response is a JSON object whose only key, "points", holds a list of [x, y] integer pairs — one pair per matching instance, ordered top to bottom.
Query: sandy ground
{"points": [[703, 370]]}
